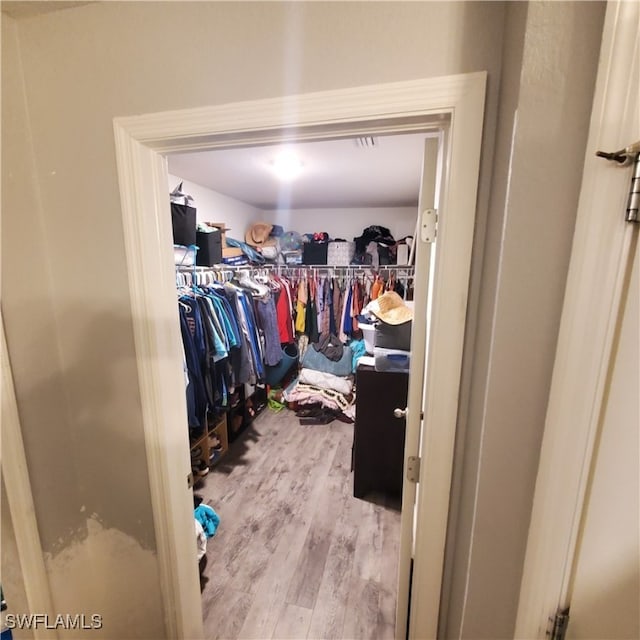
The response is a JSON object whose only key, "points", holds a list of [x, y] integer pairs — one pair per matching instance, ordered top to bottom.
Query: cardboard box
{"points": [[231, 252]]}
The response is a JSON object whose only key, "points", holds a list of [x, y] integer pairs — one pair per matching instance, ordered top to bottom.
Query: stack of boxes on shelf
{"points": [[336, 253], [392, 334]]}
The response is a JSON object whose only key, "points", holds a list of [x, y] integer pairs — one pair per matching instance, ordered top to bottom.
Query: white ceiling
{"points": [[336, 173]]}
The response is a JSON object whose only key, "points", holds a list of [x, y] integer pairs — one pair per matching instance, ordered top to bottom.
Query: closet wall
{"points": [[346, 223]]}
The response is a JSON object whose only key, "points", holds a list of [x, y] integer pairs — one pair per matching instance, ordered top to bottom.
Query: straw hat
{"points": [[258, 235], [390, 308]]}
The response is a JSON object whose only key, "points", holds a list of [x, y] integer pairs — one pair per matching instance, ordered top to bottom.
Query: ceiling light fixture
{"points": [[286, 166]]}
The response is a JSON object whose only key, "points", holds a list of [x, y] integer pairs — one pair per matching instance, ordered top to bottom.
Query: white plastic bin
{"points": [[369, 334], [392, 360]]}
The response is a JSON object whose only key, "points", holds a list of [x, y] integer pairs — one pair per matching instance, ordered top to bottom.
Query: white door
{"points": [[422, 251], [582, 553], [605, 588]]}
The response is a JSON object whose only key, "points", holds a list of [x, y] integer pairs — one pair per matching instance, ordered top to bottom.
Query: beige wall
{"points": [[550, 57], [65, 294]]}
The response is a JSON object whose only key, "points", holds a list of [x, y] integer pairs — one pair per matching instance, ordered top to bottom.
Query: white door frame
{"points": [[141, 142], [597, 270], [15, 477]]}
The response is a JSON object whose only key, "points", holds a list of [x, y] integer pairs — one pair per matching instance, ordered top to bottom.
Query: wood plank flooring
{"points": [[296, 555]]}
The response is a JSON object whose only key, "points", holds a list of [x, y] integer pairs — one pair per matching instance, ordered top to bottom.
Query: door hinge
{"points": [[625, 157], [633, 203], [428, 225], [413, 469], [190, 481], [559, 624]]}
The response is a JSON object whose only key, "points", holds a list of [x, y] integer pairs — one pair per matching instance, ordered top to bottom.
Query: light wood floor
{"points": [[296, 555]]}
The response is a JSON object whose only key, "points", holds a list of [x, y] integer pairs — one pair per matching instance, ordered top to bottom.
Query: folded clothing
{"points": [[330, 346], [315, 360], [326, 380], [310, 394]]}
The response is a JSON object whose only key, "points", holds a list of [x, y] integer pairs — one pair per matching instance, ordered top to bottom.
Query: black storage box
{"points": [[183, 221], [209, 248], [314, 253], [393, 336]]}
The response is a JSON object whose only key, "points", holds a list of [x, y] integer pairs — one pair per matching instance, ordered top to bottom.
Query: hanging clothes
{"points": [[377, 287], [338, 299], [357, 302], [301, 306], [324, 306], [284, 308], [268, 319], [311, 320], [345, 320], [196, 394]]}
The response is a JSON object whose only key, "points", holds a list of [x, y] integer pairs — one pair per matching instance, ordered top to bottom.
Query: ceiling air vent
{"points": [[366, 142]]}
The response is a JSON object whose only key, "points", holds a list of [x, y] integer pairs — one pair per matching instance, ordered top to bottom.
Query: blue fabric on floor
{"points": [[208, 518]]}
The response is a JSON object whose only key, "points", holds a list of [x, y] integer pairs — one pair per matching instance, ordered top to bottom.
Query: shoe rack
{"points": [[245, 405], [210, 447]]}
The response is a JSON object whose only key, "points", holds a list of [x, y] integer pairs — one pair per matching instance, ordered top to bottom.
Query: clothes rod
{"points": [[297, 267]]}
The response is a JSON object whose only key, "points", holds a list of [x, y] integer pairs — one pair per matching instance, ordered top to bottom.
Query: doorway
{"points": [[140, 143], [297, 553]]}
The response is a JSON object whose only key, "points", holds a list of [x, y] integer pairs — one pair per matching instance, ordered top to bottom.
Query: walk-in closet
{"points": [[295, 276]]}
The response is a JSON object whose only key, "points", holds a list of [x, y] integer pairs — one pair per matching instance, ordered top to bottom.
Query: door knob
{"points": [[401, 413]]}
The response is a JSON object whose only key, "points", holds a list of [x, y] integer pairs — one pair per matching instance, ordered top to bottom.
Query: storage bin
{"points": [[183, 222], [209, 248], [314, 253], [340, 254], [184, 256], [292, 257], [368, 334], [393, 336], [392, 360], [274, 375]]}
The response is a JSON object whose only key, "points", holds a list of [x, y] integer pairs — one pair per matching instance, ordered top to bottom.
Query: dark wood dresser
{"points": [[378, 436]]}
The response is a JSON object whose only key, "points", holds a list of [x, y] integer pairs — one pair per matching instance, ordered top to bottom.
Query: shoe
{"points": [[309, 412], [322, 418], [196, 453], [201, 469]]}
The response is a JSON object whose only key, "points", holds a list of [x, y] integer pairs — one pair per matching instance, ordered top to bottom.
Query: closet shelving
{"points": [[247, 402], [211, 446]]}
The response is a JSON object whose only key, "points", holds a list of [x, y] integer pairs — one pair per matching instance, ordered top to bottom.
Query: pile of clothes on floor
{"points": [[324, 390], [207, 522]]}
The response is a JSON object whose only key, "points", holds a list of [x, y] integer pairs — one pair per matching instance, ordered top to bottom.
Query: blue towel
{"points": [[358, 349], [208, 518]]}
